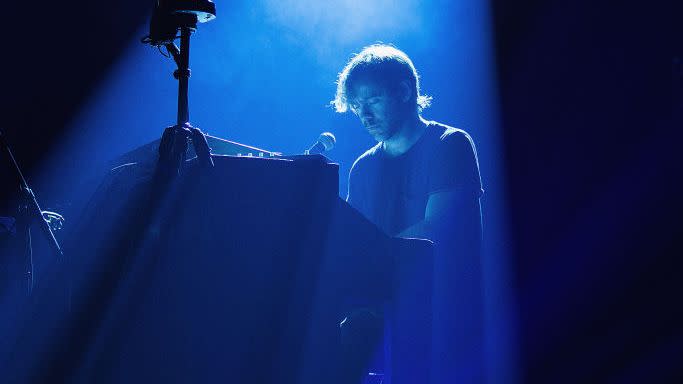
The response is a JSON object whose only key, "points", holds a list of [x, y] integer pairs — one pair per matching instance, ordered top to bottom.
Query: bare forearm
{"points": [[422, 230]]}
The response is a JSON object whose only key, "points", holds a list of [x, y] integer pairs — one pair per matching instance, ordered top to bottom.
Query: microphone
{"points": [[325, 142]]}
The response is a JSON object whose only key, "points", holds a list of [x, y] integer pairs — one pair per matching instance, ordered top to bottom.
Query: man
{"points": [[422, 180]]}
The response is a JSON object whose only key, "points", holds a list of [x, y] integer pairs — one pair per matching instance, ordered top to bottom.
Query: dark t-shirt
{"points": [[393, 191]]}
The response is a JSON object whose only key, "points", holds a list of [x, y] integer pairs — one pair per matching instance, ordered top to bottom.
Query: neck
{"points": [[409, 132]]}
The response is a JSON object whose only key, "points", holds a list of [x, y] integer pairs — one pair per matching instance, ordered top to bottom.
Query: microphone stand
{"points": [[169, 17], [182, 58], [174, 143], [30, 214]]}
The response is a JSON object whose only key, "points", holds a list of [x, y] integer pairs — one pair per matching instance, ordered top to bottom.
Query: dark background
{"points": [[591, 95], [592, 99]]}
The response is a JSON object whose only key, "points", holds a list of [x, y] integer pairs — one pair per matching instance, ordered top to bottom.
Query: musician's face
{"points": [[377, 109]]}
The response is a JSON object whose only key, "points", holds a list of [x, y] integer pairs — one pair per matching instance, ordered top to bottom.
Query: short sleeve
{"points": [[455, 165], [352, 190], [355, 196]]}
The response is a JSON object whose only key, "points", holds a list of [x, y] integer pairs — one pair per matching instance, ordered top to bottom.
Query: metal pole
{"points": [[183, 75]]}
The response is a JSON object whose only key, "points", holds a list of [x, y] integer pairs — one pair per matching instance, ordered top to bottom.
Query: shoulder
{"points": [[448, 134], [451, 139], [366, 160], [360, 175]]}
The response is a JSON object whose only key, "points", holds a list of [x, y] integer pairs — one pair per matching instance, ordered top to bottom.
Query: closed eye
{"points": [[370, 101]]}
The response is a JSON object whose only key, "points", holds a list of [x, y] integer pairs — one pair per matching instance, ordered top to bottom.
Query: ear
{"points": [[404, 91]]}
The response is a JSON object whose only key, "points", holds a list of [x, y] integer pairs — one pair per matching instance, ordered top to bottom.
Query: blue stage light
{"points": [[263, 74]]}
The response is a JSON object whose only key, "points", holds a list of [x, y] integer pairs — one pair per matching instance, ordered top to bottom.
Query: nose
{"points": [[364, 111]]}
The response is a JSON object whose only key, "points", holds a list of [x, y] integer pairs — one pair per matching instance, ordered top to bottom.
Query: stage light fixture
{"points": [[205, 10]]}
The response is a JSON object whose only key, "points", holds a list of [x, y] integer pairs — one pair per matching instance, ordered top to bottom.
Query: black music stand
{"points": [[30, 213]]}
